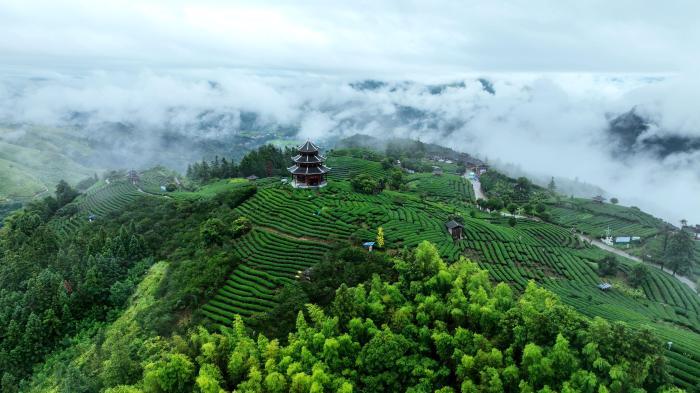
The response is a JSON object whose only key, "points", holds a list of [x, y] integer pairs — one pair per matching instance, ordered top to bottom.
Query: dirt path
{"points": [[153, 194], [288, 236], [685, 280]]}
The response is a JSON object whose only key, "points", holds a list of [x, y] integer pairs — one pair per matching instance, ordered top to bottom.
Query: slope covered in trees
{"points": [[262, 250], [437, 328]]}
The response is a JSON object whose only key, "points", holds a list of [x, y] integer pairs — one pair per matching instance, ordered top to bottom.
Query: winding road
{"points": [[478, 192], [685, 280]]}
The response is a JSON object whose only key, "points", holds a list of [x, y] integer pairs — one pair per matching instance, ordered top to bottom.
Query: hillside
{"points": [[34, 159], [260, 250]]}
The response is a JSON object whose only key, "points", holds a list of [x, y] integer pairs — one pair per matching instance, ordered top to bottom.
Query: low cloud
{"points": [[546, 124]]}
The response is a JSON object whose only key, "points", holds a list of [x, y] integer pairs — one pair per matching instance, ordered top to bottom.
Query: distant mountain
{"points": [[628, 130]]}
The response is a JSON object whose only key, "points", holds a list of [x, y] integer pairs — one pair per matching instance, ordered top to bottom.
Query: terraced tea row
{"points": [[345, 167], [446, 186], [597, 224], [530, 250], [269, 261], [684, 353]]}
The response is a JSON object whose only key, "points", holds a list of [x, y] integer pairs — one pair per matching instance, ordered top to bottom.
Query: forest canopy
{"points": [[437, 328]]}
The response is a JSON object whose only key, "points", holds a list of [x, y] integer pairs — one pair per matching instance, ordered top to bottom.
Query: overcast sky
{"points": [[368, 38], [560, 69]]}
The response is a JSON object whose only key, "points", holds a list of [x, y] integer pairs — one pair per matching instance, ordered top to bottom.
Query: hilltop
{"points": [[130, 275]]}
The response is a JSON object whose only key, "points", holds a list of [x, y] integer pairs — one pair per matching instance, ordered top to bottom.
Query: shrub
{"points": [[364, 183], [241, 226], [213, 231], [608, 266], [638, 274]]}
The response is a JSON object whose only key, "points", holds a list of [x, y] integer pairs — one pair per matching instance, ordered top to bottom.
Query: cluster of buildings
{"points": [[693, 230]]}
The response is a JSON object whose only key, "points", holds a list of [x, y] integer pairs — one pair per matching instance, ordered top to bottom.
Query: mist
{"points": [[600, 93], [543, 125]]}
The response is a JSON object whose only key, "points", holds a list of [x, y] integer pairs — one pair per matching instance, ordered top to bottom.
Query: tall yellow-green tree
{"points": [[380, 237]]}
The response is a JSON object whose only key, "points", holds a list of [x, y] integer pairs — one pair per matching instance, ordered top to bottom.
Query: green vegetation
{"points": [[33, 160], [265, 161], [451, 188], [595, 218], [260, 250], [656, 250], [437, 328]]}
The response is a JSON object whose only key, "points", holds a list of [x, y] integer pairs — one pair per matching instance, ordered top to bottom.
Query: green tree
{"points": [[387, 163], [395, 179], [364, 183], [522, 188], [65, 193], [512, 208], [540, 208], [241, 226], [213, 231], [679, 252], [608, 266], [638, 274], [172, 375], [209, 379]]}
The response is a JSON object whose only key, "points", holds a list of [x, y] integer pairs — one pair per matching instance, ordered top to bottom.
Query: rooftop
{"points": [[308, 147], [453, 224]]}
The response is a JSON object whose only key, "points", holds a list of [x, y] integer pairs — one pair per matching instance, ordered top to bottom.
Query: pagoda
{"points": [[308, 170]]}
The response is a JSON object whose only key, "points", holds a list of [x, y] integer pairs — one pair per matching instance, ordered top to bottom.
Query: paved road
{"points": [[477, 188], [685, 280]]}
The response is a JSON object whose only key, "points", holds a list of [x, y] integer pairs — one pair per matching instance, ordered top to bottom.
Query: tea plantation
{"points": [[108, 196], [594, 218], [294, 228]]}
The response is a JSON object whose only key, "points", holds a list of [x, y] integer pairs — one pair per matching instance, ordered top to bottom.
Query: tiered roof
{"points": [[308, 161], [308, 170]]}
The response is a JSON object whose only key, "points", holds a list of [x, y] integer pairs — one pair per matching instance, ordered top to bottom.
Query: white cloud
{"points": [[558, 68]]}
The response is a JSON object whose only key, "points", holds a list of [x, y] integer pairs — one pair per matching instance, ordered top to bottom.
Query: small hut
{"points": [[480, 169], [437, 171], [252, 178], [598, 199], [455, 229], [604, 286]]}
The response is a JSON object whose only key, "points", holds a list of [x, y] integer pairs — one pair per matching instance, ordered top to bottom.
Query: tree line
{"points": [[264, 161]]}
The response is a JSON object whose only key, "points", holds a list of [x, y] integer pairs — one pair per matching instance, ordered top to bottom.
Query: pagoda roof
{"points": [[308, 147], [308, 159], [308, 170]]}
